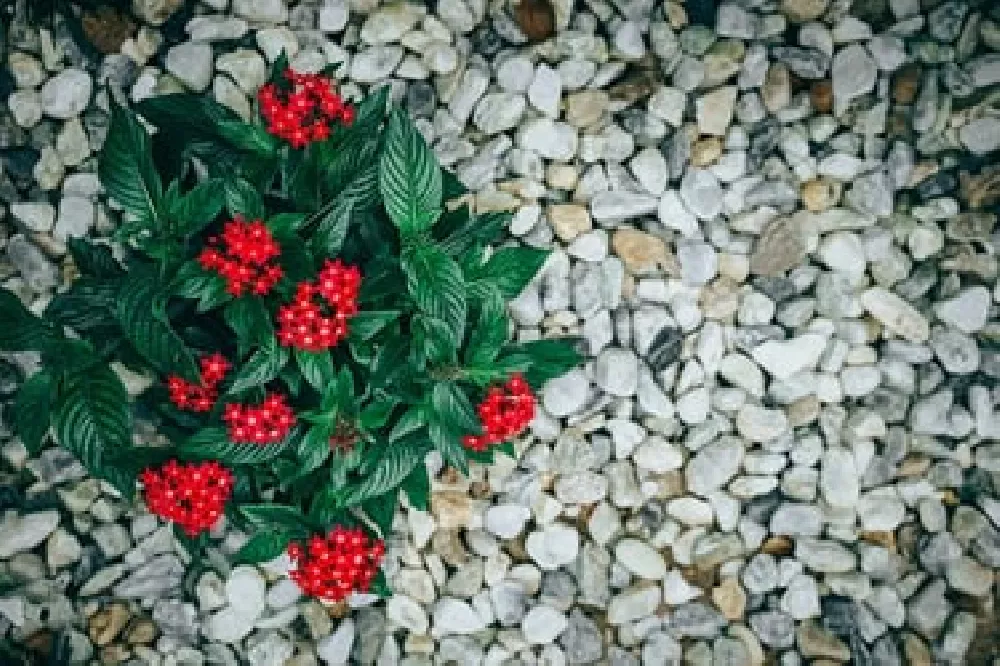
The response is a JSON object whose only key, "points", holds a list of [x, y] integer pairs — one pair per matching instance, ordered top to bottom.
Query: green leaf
{"points": [[372, 108], [248, 137], [126, 169], [409, 177], [451, 186], [242, 198], [193, 211], [286, 223], [476, 230], [331, 231], [93, 259], [511, 269], [437, 286], [209, 289], [89, 303], [250, 320], [366, 324], [147, 328], [22, 330], [490, 332], [432, 341], [549, 358], [265, 364], [316, 367], [338, 395], [451, 406], [32, 410], [376, 413], [92, 418], [412, 420], [448, 442], [214, 444], [314, 449], [395, 463], [417, 487], [326, 510], [381, 510], [275, 517], [265, 546], [379, 586]]}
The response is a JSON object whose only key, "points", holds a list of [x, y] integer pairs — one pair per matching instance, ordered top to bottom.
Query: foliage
{"points": [[430, 337]]}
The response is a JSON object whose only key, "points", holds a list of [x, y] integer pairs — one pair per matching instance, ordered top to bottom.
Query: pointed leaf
{"points": [[126, 168], [409, 177], [193, 211], [93, 259], [511, 269], [436, 284], [366, 324], [147, 328], [22, 330], [491, 331], [265, 364], [316, 367], [32, 410], [92, 418], [214, 444], [395, 464], [417, 487], [275, 517], [264, 546]]}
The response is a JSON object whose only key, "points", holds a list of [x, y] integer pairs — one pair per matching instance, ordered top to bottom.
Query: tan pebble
{"points": [[801, 11], [821, 96], [586, 107], [706, 150], [562, 176], [819, 194], [569, 220], [643, 253], [777, 545], [730, 598], [105, 624], [141, 632], [815, 641], [754, 649], [915, 650]]}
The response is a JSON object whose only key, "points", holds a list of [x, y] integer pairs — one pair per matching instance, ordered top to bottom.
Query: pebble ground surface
{"points": [[774, 225]]}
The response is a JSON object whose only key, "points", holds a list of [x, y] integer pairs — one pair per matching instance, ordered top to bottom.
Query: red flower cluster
{"points": [[305, 112], [244, 256], [317, 317], [195, 397], [504, 414], [265, 423], [193, 495], [332, 567]]}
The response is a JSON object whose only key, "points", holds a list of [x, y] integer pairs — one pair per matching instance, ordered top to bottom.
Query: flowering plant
{"points": [[313, 307]]}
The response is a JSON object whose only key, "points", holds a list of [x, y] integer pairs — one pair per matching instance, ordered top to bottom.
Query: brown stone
{"points": [[801, 11], [536, 18], [107, 28], [906, 83], [821, 96], [586, 108], [706, 150], [820, 194], [569, 220], [780, 247], [643, 253], [914, 465], [452, 508], [883, 538], [777, 545], [730, 598], [105, 625], [141, 633], [814, 641], [915, 650]]}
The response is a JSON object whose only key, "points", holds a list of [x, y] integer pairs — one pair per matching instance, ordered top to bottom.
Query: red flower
{"points": [[306, 111], [245, 256], [316, 319], [199, 397], [504, 414], [266, 423], [193, 495], [346, 560]]}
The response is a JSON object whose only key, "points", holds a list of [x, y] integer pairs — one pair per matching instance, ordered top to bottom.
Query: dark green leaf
{"points": [[372, 108], [248, 137], [126, 168], [409, 177], [451, 186], [242, 198], [193, 211], [286, 223], [332, 228], [477, 230], [93, 259], [512, 268], [436, 284], [209, 289], [250, 320], [366, 324], [147, 328], [21, 330], [490, 332], [432, 341], [549, 358], [265, 364], [316, 367], [338, 395], [451, 406], [32, 410], [376, 413], [92, 418], [412, 420], [447, 441], [214, 444], [314, 449], [395, 463], [417, 487], [326, 509], [381, 510], [275, 517], [265, 546], [380, 587]]}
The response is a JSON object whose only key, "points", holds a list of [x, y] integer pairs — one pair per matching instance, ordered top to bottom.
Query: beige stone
{"points": [[801, 11], [586, 107], [706, 151], [562, 176], [820, 194], [569, 220], [780, 247], [643, 253], [730, 598], [814, 641]]}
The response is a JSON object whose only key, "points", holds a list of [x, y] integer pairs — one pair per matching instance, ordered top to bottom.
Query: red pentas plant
{"points": [[321, 317]]}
